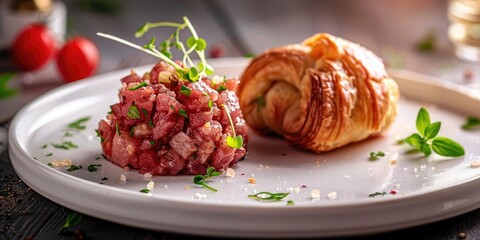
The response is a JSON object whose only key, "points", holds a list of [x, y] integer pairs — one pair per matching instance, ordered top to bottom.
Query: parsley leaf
{"points": [[375, 155], [268, 196]]}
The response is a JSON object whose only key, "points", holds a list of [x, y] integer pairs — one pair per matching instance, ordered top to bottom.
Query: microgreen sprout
{"points": [[189, 71], [426, 139], [233, 141], [200, 179], [268, 196]]}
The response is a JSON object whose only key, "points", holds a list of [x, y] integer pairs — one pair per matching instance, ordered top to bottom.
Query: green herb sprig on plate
{"points": [[472, 123], [426, 139], [200, 179]]}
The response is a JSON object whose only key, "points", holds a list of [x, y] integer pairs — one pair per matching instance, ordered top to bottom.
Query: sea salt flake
{"points": [[475, 164], [423, 167], [230, 172], [123, 178], [150, 185], [315, 193], [332, 195], [200, 196]]}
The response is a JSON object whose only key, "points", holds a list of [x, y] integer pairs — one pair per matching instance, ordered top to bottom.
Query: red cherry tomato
{"points": [[33, 47], [77, 59]]}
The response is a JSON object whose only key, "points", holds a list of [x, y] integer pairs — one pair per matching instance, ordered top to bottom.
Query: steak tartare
{"points": [[164, 125]]}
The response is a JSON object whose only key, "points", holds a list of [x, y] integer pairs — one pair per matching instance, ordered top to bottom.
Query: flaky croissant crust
{"points": [[319, 95]]}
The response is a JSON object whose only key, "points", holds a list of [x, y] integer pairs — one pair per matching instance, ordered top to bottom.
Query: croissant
{"points": [[319, 95]]}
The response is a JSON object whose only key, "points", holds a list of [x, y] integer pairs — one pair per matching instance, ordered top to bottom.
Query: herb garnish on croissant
{"points": [[319, 95]]}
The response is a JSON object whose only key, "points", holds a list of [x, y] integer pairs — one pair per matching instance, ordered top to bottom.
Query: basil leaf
{"points": [[423, 120], [432, 130], [414, 140], [447, 147], [425, 148]]}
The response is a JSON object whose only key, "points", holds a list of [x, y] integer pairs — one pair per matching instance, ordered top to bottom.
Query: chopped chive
{"points": [[142, 84], [221, 88], [185, 91], [210, 104], [144, 111], [133, 112], [182, 113], [150, 123], [79, 124], [116, 129], [132, 131], [65, 145], [49, 154], [93, 167], [104, 179], [145, 190]]}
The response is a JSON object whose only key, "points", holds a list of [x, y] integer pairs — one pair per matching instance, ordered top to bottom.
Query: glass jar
{"points": [[464, 30]]}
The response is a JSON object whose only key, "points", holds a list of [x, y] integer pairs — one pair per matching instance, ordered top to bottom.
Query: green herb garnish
{"points": [[188, 70], [140, 85], [221, 88], [5, 91], [185, 91], [210, 104], [144, 111], [133, 112], [182, 113], [150, 123], [472, 123], [79, 124], [117, 130], [132, 130], [100, 136], [425, 140], [233, 141], [152, 142], [65, 145], [44, 146], [49, 155], [375, 155], [93, 167], [74, 168], [104, 179], [200, 179], [145, 190], [377, 194], [268, 196], [290, 203], [73, 219]]}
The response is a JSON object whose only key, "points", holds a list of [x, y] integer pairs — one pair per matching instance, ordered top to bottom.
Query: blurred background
{"points": [[407, 34]]}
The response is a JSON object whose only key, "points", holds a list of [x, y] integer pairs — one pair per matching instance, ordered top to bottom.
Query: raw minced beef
{"points": [[166, 126]]}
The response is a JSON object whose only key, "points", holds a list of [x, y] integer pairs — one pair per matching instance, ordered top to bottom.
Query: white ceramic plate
{"points": [[428, 189]]}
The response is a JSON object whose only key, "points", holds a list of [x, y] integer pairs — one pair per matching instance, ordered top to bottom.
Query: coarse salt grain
{"points": [[393, 161], [475, 164], [126, 169], [230, 172], [147, 175], [123, 178], [252, 180], [150, 185], [186, 187], [296, 190], [315, 193], [332, 195], [200, 196]]}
